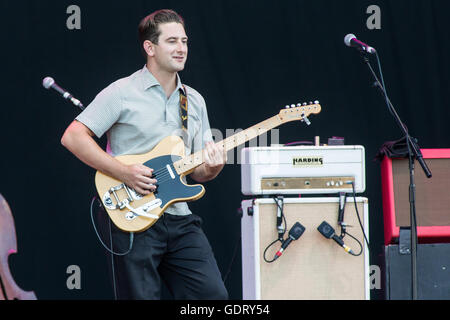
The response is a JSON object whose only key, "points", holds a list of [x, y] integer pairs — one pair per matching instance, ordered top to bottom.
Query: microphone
{"points": [[351, 41], [49, 82], [328, 232], [295, 233]]}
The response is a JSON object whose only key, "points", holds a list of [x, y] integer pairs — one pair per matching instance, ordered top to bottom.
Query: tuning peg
{"points": [[316, 102], [304, 103], [292, 105], [299, 105], [287, 106]]}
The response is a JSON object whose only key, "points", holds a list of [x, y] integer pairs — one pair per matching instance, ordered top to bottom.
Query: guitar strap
{"points": [[184, 109]]}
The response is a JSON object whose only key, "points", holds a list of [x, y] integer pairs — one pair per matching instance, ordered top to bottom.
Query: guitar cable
{"points": [[357, 214], [344, 231], [280, 236], [99, 238], [236, 247], [111, 251], [113, 270]]}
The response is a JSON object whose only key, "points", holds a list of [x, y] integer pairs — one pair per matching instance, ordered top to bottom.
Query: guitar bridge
{"points": [[131, 195]]}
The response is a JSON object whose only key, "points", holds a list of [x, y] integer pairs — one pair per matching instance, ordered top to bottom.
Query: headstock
{"points": [[301, 111]]}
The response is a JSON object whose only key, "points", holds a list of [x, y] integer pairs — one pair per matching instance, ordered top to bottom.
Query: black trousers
{"points": [[174, 250]]}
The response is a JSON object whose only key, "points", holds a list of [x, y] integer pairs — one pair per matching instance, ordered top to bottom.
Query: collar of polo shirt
{"points": [[149, 80]]}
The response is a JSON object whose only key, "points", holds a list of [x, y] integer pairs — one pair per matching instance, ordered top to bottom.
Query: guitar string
{"points": [[224, 144], [159, 170], [161, 174], [165, 174], [162, 178]]}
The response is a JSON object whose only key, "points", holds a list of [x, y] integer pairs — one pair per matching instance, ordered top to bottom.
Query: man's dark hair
{"points": [[149, 26]]}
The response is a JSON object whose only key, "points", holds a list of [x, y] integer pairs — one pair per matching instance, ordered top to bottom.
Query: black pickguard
{"points": [[168, 188]]}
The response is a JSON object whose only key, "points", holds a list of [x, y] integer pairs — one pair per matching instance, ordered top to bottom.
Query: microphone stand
{"points": [[413, 153]]}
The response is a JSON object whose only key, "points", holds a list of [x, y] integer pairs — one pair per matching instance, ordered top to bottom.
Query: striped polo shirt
{"points": [[136, 115]]}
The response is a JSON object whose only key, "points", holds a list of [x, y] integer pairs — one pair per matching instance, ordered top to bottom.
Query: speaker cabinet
{"points": [[432, 197], [312, 267], [433, 272]]}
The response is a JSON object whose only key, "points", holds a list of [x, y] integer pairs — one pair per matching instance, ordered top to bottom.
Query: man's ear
{"points": [[149, 48]]}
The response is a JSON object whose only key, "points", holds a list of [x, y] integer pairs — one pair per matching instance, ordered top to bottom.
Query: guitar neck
{"points": [[189, 163]]}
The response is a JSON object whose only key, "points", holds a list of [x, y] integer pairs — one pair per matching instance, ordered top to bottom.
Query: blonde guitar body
{"points": [[171, 188], [133, 212]]}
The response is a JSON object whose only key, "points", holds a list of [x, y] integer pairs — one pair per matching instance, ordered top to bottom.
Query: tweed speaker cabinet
{"points": [[312, 267]]}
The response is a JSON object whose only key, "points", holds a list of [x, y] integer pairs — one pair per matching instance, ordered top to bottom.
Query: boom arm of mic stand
{"points": [[411, 142]]}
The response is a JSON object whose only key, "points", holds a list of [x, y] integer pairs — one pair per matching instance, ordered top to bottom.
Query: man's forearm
{"points": [[78, 139], [84, 147], [204, 173]]}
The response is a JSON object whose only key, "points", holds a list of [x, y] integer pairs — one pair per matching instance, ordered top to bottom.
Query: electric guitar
{"points": [[133, 212]]}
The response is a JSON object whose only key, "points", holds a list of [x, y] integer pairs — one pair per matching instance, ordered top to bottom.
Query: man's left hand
{"points": [[215, 156]]}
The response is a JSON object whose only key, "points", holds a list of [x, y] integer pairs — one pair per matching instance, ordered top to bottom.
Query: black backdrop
{"points": [[248, 59]]}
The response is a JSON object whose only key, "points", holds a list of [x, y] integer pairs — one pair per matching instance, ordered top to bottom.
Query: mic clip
{"points": [[279, 200], [341, 210], [344, 225]]}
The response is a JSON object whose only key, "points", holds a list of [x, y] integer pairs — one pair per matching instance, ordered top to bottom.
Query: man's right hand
{"points": [[78, 139], [139, 177]]}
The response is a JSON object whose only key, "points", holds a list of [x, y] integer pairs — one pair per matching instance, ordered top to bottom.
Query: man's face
{"points": [[171, 51]]}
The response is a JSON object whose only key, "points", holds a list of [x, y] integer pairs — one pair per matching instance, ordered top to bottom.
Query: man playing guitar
{"points": [[136, 113]]}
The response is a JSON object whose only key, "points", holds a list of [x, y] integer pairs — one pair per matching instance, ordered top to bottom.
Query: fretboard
{"points": [[194, 160]]}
